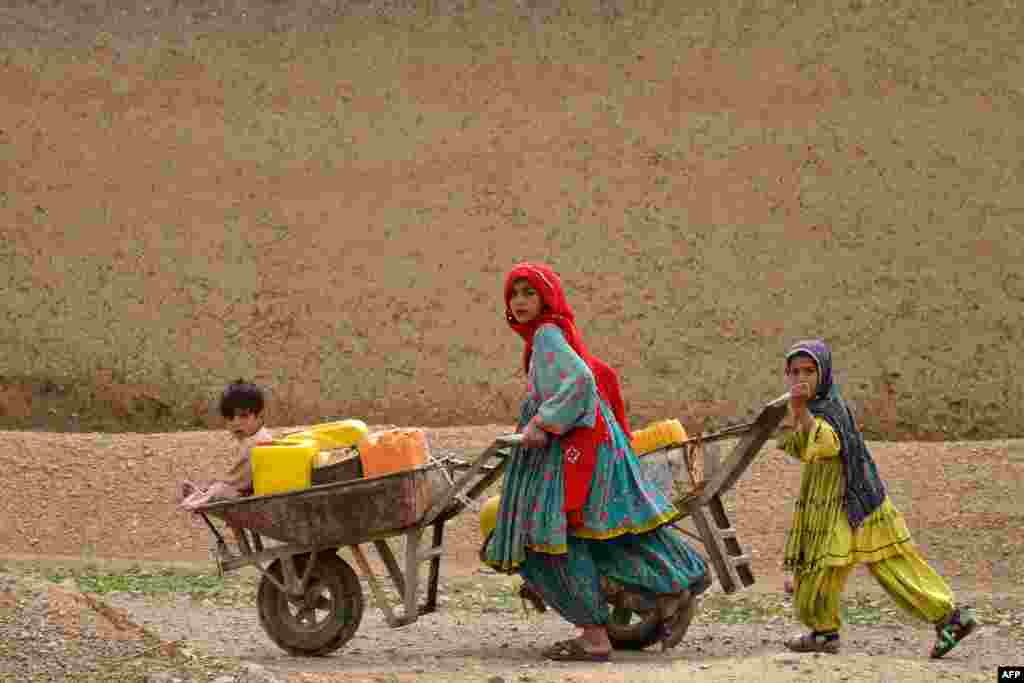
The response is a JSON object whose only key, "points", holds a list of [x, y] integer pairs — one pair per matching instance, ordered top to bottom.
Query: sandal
{"points": [[527, 594], [951, 630], [814, 642], [573, 651]]}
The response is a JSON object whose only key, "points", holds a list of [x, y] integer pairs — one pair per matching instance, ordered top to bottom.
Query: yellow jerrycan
{"points": [[282, 466]]}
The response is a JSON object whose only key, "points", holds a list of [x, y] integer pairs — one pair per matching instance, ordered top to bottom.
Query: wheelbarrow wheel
{"points": [[320, 621], [629, 630]]}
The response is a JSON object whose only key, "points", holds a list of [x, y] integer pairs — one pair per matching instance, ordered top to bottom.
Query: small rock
{"points": [[705, 667], [254, 673], [161, 677], [495, 679]]}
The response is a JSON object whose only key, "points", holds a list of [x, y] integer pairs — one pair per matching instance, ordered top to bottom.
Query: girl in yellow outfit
{"points": [[844, 516]]}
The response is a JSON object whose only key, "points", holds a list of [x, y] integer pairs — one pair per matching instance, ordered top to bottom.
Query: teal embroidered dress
{"points": [[624, 536]]}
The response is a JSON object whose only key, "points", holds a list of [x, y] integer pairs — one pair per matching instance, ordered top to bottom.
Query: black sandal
{"points": [[951, 630], [827, 643], [573, 651]]}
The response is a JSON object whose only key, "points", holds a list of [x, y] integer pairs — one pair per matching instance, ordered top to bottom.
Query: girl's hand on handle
{"points": [[799, 393], [534, 436]]}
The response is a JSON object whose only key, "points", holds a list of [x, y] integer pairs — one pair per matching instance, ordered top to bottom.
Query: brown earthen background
{"points": [[190, 195]]}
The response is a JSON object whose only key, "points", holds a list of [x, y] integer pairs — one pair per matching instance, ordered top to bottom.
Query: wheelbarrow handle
{"points": [[510, 440], [465, 478]]}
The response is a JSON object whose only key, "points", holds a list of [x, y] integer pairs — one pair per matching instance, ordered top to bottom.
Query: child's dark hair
{"points": [[241, 396]]}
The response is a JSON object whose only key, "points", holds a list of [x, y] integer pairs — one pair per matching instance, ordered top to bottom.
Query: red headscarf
{"points": [[557, 311], [583, 441]]}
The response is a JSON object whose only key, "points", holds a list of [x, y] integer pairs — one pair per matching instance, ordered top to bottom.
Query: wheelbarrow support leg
{"points": [[384, 550], [731, 564], [435, 570], [412, 572], [378, 592]]}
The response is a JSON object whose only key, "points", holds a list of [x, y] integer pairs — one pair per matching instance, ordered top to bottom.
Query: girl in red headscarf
{"points": [[577, 520]]}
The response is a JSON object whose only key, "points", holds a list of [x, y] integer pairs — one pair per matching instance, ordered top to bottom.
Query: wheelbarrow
{"points": [[310, 601]]}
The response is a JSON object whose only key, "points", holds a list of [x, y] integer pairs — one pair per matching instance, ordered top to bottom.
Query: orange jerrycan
{"points": [[394, 450]]}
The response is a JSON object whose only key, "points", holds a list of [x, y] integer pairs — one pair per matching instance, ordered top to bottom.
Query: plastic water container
{"points": [[341, 434], [658, 435], [331, 436], [394, 450], [282, 466]]}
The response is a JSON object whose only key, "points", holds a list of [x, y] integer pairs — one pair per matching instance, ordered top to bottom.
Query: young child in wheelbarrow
{"points": [[241, 406], [844, 517]]}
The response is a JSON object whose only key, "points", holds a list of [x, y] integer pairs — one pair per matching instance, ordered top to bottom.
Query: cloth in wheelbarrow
{"points": [[192, 495]]}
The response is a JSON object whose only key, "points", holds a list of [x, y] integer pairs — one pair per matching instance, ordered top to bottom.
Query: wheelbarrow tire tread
{"points": [[340, 577]]}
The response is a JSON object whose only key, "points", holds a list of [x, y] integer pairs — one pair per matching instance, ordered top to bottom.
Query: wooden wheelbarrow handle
{"points": [[735, 429], [495, 450]]}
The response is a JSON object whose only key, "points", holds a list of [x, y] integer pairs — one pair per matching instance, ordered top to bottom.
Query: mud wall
{"points": [[330, 210]]}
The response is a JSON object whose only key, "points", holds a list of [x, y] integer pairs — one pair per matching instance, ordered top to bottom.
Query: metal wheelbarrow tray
{"points": [[340, 513]]}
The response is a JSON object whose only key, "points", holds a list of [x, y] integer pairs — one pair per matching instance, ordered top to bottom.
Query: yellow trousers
{"points": [[907, 579]]}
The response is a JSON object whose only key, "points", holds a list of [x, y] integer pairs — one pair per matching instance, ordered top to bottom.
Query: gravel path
{"points": [[47, 632], [51, 632], [54, 633], [458, 644]]}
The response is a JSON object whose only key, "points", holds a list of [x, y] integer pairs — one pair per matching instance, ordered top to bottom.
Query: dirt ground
{"points": [[112, 497], [112, 500]]}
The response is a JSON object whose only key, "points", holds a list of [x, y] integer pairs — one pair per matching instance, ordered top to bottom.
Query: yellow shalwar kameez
{"points": [[825, 550]]}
